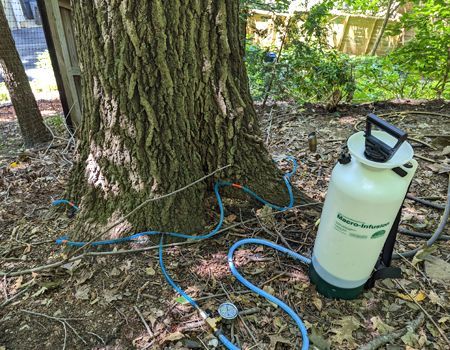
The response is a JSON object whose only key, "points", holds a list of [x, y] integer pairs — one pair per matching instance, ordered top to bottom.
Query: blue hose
{"points": [[217, 185], [64, 201], [170, 280], [263, 293], [227, 343]]}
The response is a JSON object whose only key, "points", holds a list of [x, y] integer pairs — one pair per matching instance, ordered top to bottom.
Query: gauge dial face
{"points": [[228, 311]]}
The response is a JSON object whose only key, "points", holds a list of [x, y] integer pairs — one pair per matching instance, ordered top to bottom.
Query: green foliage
{"points": [[274, 6], [366, 7], [315, 25], [428, 53], [44, 61], [418, 69], [258, 70], [308, 70], [304, 73], [308, 74], [317, 75], [381, 78], [37, 86], [4, 95], [55, 122]]}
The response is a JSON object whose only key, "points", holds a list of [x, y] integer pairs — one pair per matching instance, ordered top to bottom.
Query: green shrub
{"points": [[304, 73], [383, 78], [4, 95]]}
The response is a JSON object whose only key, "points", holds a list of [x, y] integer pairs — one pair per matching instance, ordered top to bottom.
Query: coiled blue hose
{"points": [[263, 293], [227, 343]]}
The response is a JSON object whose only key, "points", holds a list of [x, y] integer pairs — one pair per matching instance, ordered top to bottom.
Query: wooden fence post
{"points": [[344, 33], [369, 39], [63, 40]]}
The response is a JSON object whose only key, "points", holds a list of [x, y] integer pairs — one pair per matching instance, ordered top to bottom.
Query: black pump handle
{"points": [[385, 126], [376, 150]]}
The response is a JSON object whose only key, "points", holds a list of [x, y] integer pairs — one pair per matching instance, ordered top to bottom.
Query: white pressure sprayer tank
{"points": [[367, 189]]}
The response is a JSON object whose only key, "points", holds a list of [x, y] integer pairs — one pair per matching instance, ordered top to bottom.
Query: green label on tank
{"points": [[359, 229]]}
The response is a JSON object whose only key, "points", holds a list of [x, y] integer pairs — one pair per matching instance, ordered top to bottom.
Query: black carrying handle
{"points": [[376, 150]]}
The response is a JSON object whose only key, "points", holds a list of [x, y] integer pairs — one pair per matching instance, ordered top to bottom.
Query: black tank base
{"points": [[330, 291]]}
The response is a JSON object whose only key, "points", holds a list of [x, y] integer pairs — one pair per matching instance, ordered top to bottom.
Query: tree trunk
{"points": [[382, 29], [166, 101], [30, 120]]}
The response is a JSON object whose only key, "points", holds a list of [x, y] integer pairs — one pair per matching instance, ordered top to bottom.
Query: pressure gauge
{"points": [[228, 311]]}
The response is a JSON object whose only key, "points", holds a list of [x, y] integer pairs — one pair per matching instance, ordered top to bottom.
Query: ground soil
{"points": [[121, 301]]}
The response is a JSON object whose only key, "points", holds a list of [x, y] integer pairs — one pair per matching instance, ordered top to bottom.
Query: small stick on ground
{"points": [[414, 112], [422, 142], [425, 158], [425, 202], [143, 204], [282, 238], [133, 251], [82, 256], [273, 278], [223, 295], [15, 296], [251, 311], [63, 322], [147, 327], [441, 332], [97, 336], [390, 337], [201, 341]]}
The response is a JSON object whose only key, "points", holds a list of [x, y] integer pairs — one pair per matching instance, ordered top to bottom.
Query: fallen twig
{"points": [[413, 112], [422, 142], [424, 158], [140, 206], [278, 233], [132, 251], [82, 256], [281, 274], [223, 295], [15, 296], [251, 311], [63, 322], [147, 327], [441, 332], [97, 336], [390, 337]]}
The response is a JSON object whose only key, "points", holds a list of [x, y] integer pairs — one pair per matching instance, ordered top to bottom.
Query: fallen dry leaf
{"points": [[437, 269], [415, 296]]}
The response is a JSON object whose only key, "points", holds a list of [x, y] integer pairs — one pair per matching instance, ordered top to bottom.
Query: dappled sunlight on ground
{"points": [[47, 108], [347, 120], [216, 265], [105, 291]]}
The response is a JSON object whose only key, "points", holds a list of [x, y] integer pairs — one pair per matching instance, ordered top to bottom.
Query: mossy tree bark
{"points": [[11, 68], [166, 101]]}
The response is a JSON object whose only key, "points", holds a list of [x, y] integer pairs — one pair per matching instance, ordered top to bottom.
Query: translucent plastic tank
{"points": [[363, 199]]}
